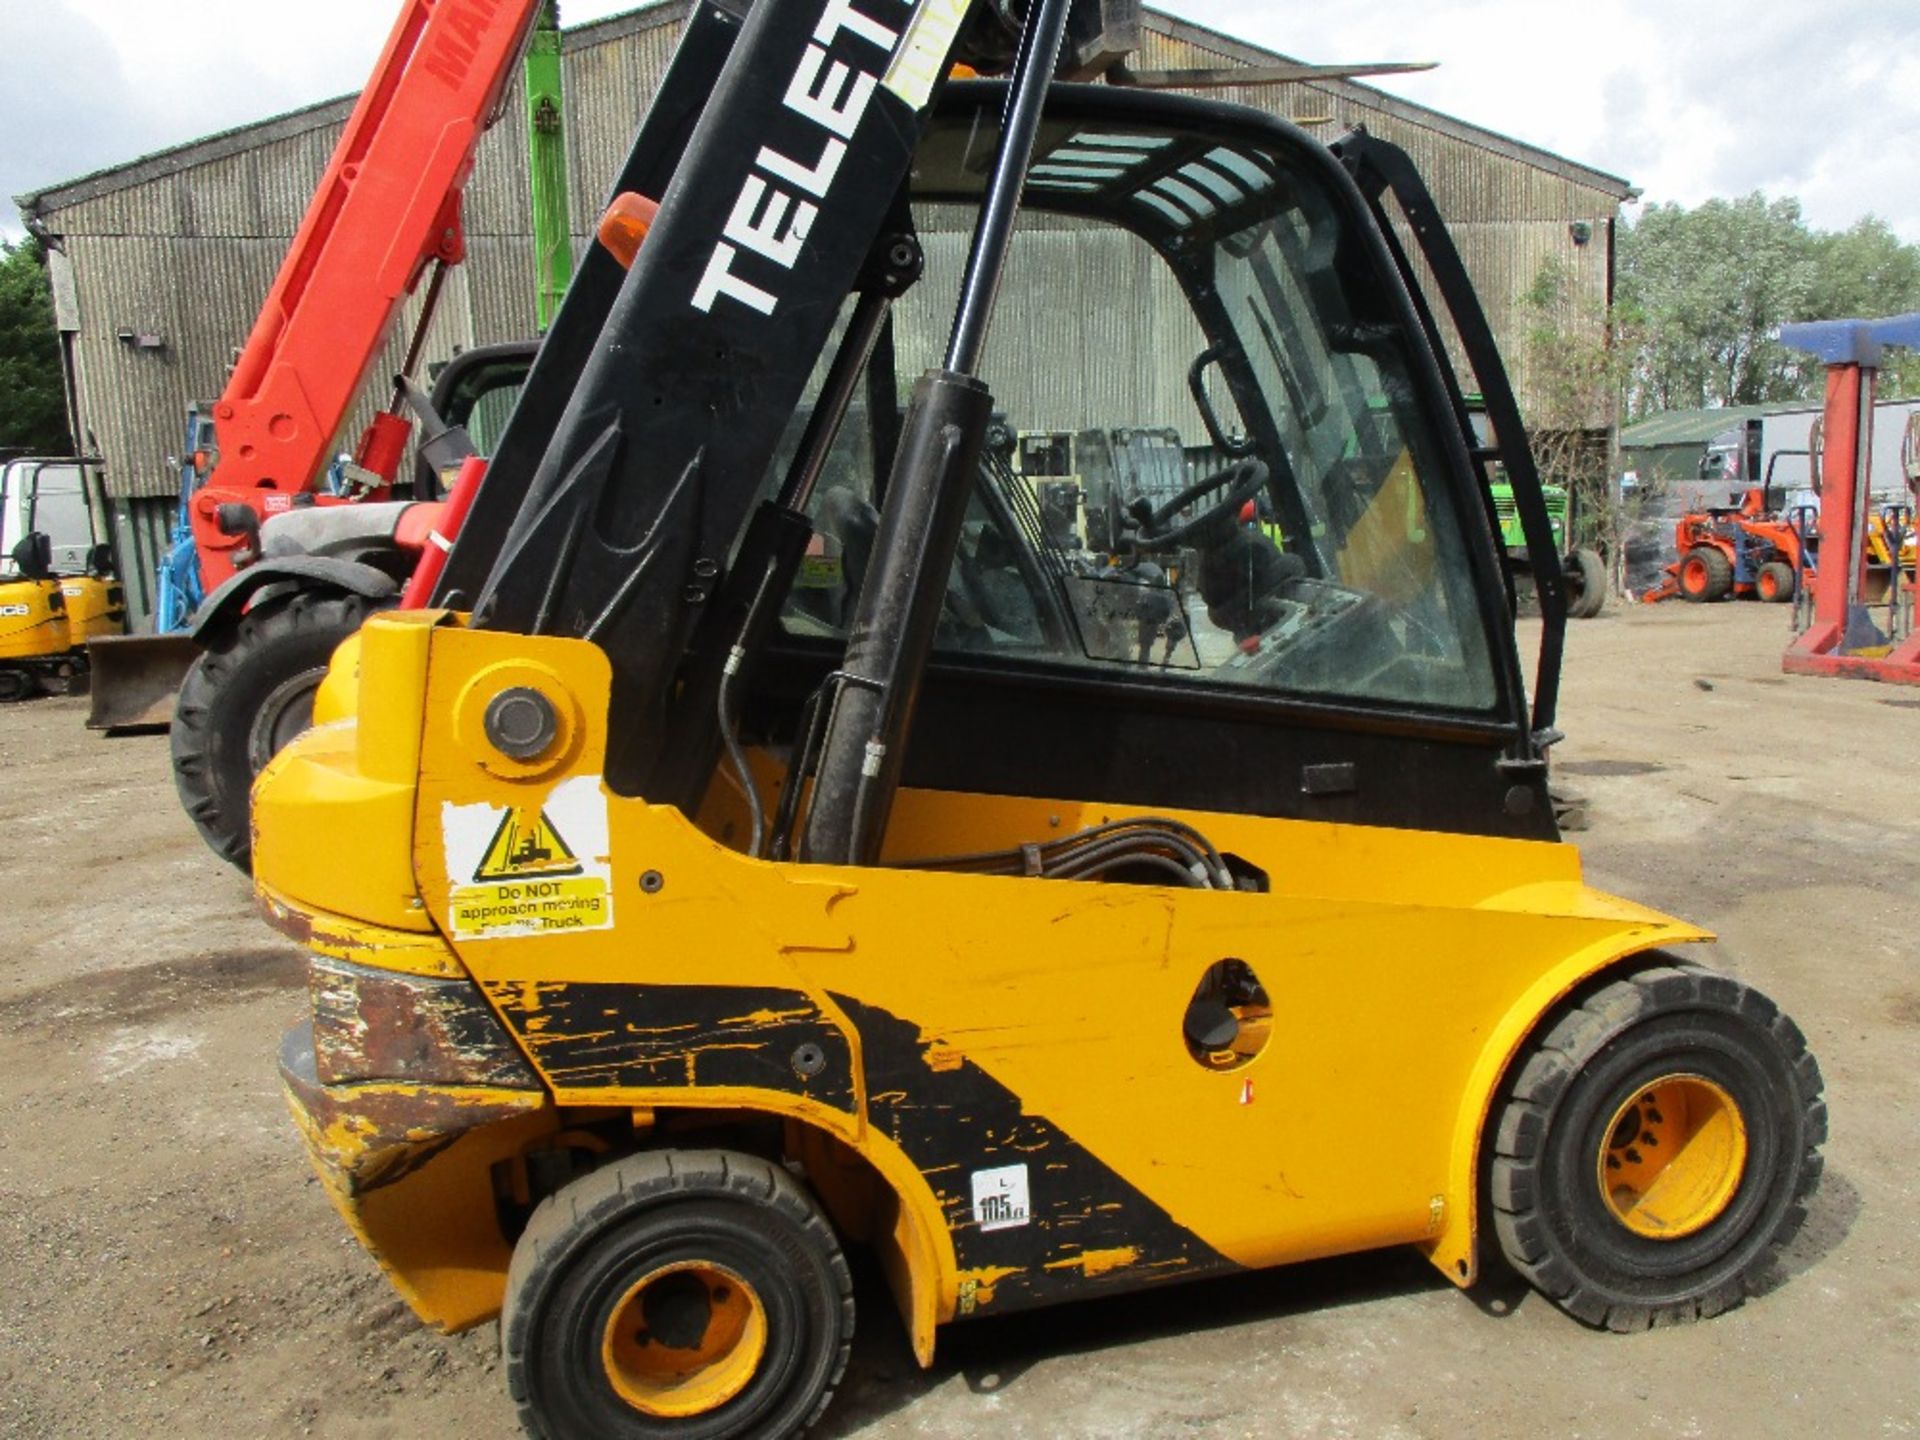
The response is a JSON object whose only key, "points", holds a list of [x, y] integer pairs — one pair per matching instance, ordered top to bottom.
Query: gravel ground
{"points": [[168, 1266]]}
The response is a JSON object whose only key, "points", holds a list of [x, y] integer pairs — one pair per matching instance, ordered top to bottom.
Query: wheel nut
{"points": [[521, 723]]}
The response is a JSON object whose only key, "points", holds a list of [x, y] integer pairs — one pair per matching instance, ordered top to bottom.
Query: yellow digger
{"points": [[57, 587], [675, 927]]}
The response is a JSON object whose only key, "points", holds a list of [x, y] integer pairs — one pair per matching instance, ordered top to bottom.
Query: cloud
{"points": [[1719, 97], [1715, 98], [69, 109]]}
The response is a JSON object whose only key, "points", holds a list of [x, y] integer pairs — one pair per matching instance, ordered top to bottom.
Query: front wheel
{"points": [[1706, 575], [1586, 576], [1775, 582], [247, 695], [1658, 1148], [698, 1295]]}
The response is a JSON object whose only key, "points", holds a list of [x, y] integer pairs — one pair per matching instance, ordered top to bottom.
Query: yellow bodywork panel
{"points": [[95, 607], [33, 620], [338, 696], [333, 814], [406, 952], [933, 1018], [410, 1169]]}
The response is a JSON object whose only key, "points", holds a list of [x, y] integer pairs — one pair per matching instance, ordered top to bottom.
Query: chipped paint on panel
{"points": [[376, 1025], [668, 1037], [1087, 1227]]}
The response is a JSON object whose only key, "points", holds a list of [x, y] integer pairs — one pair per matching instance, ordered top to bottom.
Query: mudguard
{"points": [[226, 604]]}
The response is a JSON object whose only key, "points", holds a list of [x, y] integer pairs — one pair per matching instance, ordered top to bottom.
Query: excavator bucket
{"points": [[135, 678]]}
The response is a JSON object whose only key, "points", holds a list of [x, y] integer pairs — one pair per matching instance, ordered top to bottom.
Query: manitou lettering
{"points": [[455, 43], [772, 222]]}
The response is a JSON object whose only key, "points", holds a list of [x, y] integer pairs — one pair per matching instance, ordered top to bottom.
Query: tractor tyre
{"points": [[1705, 575], [1586, 576], [1775, 582], [248, 694], [1657, 1149], [694, 1294]]}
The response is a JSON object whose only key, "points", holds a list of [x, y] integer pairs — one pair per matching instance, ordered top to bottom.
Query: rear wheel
{"points": [[1705, 574], [1586, 584], [1774, 584], [246, 697], [1658, 1148], [693, 1294]]}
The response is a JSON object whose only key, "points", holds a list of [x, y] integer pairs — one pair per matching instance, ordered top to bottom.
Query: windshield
{"points": [[1210, 463]]}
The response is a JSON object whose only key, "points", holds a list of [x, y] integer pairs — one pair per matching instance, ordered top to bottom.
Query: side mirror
{"points": [[33, 556]]}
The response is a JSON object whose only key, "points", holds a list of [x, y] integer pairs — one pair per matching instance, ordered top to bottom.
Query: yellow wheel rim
{"points": [[1672, 1157], [684, 1340]]}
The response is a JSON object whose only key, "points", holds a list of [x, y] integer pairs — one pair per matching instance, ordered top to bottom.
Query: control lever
{"points": [[1804, 520], [1896, 522]]}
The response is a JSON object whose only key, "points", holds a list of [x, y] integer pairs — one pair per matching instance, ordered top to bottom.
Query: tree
{"points": [[1863, 273], [1708, 288], [1705, 290], [1575, 358], [33, 411]]}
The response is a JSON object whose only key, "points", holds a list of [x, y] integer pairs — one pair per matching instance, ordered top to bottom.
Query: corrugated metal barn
{"points": [[164, 260]]}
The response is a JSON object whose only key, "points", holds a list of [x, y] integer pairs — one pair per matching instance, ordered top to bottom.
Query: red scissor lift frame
{"points": [[1844, 639]]}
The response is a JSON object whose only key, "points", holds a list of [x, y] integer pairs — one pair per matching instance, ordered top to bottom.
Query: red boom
{"points": [[387, 206]]}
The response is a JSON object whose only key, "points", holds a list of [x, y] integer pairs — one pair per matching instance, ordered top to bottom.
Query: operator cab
{"points": [[1225, 491], [49, 497]]}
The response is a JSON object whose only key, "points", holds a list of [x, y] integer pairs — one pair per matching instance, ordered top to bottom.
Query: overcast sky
{"points": [[1688, 101]]}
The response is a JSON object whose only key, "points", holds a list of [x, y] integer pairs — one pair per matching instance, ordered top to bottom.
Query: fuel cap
{"points": [[521, 723]]}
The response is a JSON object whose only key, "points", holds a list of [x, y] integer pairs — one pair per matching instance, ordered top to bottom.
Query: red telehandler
{"points": [[289, 571]]}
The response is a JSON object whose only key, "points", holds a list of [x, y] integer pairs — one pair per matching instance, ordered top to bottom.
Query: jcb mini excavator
{"points": [[58, 589], [675, 927]]}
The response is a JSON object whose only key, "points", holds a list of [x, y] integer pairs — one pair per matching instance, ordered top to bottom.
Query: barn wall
{"points": [[184, 245]]}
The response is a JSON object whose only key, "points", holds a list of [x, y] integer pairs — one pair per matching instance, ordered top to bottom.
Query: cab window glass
{"points": [[1240, 500]]}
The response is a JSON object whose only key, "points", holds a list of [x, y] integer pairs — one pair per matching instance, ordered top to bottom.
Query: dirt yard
{"points": [[170, 1267]]}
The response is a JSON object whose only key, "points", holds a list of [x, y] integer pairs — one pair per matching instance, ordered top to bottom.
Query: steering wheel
{"points": [[1238, 484]]}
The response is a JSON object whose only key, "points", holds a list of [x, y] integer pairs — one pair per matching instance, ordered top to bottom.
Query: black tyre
{"points": [[1705, 575], [1775, 582], [1586, 584], [17, 683], [247, 695], [1657, 1149], [693, 1294]]}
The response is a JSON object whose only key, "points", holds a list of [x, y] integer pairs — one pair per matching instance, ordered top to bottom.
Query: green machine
{"points": [[547, 165], [1586, 571]]}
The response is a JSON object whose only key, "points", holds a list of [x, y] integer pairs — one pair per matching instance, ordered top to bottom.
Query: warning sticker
{"points": [[525, 845], [530, 869]]}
